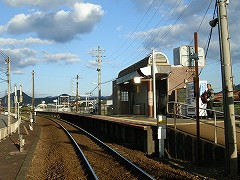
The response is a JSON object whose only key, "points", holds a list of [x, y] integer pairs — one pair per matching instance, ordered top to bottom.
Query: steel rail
{"points": [[138, 171], [90, 172]]}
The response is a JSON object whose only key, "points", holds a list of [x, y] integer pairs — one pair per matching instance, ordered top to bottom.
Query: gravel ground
{"points": [[55, 158]]}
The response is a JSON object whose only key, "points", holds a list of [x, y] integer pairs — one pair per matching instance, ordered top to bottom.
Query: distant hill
{"points": [[28, 100]]}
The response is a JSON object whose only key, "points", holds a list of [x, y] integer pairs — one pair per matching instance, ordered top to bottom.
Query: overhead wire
{"points": [[173, 9], [205, 14], [170, 28], [152, 31], [129, 37], [138, 37], [135, 39], [157, 43], [207, 45], [103, 83]]}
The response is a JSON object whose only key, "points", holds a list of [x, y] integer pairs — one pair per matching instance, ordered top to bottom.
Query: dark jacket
{"points": [[210, 94]]}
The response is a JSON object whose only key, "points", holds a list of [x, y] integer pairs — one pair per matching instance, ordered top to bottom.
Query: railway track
{"points": [[100, 161]]}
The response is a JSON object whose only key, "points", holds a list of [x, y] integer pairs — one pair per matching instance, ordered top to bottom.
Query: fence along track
{"points": [[137, 171]]}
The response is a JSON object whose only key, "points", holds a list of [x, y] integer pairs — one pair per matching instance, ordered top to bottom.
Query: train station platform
{"points": [[208, 128], [15, 163]]}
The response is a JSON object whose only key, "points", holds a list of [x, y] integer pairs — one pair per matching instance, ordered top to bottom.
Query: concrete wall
{"points": [[140, 137], [183, 146]]}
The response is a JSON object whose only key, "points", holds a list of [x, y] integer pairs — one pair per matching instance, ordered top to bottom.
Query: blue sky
{"points": [[58, 39]]}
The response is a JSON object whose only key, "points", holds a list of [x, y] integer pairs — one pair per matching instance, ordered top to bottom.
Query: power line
{"points": [[205, 16], [153, 30], [133, 32], [210, 34], [164, 35]]}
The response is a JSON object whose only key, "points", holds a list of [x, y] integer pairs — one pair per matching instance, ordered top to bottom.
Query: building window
{"points": [[124, 96]]}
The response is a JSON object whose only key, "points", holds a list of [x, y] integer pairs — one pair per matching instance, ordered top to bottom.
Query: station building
{"points": [[131, 98]]}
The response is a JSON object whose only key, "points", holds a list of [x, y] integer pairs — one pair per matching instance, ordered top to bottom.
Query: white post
{"points": [[154, 85], [15, 100], [162, 133]]}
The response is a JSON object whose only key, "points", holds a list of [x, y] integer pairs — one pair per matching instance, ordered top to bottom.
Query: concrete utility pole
{"points": [[99, 51], [7, 60], [227, 88], [196, 91], [9, 93], [77, 95], [33, 102]]}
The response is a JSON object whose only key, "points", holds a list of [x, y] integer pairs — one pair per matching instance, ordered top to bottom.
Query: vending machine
{"points": [[191, 100]]}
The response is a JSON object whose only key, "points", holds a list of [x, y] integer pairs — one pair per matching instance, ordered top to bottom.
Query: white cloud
{"points": [[39, 3], [61, 26], [119, 28], [178, 30], [23, 42], [24, 57], [61, 57], [28, 62], [92, 64], [18, 72]]}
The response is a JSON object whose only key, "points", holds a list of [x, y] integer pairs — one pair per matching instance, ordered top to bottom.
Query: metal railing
{"points": [[179, 110]]}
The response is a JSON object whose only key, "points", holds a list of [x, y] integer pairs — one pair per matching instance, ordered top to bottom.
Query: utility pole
{"points": [[99, 51], [7, 60], [227, 89], [196, 92], [9, 94], [77, 95], [33, 102]]}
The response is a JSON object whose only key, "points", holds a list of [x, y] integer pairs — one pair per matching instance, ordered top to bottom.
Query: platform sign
{"points": [[182, 56], [191, 100], [202, 106]]}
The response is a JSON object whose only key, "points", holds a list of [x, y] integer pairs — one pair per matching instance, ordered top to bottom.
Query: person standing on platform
{"points": [[210, 100]]}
